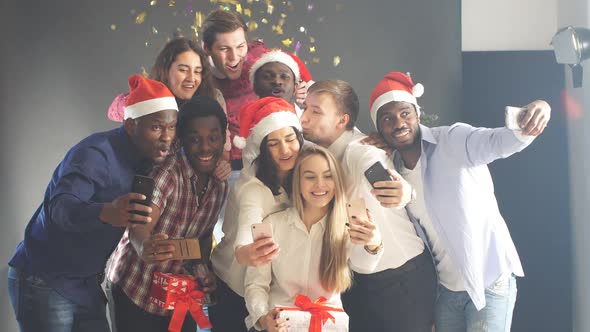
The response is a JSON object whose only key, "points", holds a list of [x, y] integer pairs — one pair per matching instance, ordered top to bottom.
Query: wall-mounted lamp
{"points": [[572, 46]]}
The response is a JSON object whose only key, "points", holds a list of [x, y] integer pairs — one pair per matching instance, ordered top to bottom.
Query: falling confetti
{"points": [[153, 3], [171, 3], [239, 8], [270, 9], [248, 12], [140, 18], [264, 20], [252, 26], [113, 27], [277, 29], [302, 29], [154, 30], [287, 42], [297, 47], [312, 49], [315, 60], [336, 61]]}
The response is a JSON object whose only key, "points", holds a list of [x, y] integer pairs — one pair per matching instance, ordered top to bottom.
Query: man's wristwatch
{"points": [[376, 250]]}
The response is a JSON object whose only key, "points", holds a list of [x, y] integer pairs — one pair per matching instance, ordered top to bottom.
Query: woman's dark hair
{"points": [[168, 55], [200, 107], [267, 171]]}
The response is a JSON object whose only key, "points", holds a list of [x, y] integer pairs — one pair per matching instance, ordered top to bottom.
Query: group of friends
{"points": [[238, 134]]}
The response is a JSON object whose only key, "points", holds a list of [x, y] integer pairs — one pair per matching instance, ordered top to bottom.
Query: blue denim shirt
{"points": [[459, 196], [65, 243]]}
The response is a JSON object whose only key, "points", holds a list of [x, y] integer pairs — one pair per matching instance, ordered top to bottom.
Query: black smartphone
{"points": [[377, 173], [143, 185]]}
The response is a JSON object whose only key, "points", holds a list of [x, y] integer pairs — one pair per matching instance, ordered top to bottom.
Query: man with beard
{"points": [[276, 74], [186, 203], [475, 257], [55, 274], [400, 294]]}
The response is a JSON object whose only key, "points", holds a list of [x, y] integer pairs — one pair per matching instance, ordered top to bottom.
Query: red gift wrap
{"points": [[178, 292], [320, 312]]}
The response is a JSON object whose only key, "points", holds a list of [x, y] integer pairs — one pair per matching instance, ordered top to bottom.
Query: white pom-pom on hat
{"points": [[418, 90], [239, 142]]}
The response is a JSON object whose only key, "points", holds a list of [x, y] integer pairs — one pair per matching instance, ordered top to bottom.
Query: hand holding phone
{"points": [[377, 173], [142, 185]]}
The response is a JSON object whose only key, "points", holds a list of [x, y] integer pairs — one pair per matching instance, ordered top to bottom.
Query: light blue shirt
{"points": [[459, 196]]}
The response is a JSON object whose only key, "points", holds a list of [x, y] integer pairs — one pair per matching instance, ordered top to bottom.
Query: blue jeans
{"points": [[39, 308], [456, 312]]}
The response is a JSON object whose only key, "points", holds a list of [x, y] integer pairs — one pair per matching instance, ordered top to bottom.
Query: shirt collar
{"points": [[427, 135], [339, 146], [296, 221]]}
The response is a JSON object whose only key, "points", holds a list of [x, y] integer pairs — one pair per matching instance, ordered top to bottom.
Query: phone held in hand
{"points": [[514, 116], [377, 173], [142, 185], [357, 208], [261, 231]]}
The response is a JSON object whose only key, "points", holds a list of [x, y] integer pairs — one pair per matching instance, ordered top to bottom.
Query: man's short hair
{"points": [[220, 21], [344, 96], [200, 107]]}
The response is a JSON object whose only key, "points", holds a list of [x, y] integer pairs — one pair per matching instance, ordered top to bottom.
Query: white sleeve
{"points": [[252, 199], [257, 292]]}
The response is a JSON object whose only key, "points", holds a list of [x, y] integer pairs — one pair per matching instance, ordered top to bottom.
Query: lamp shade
{"points": [[571, 45]]}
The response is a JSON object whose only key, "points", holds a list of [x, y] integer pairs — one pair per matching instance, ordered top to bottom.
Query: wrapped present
{"points": [[178, 292], [316, 316]]}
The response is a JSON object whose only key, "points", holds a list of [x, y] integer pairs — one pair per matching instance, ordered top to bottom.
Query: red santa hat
{"points": [[292, 61], [395, 86], [147, 96], [260, 118]]}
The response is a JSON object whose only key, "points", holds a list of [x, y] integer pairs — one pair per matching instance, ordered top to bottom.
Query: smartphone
{"points": [[514, 116], [377, 173], [142, 185], [357, 208], [261, 231], [184, 248]]}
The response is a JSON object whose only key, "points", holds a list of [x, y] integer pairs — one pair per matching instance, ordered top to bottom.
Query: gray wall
{"points": [[62, 65]]}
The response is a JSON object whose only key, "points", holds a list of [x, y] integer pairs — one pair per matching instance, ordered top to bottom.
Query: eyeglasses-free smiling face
{"points": [[228, 53], [184, 75], [398, 123], [203, 143], [284, 148], [316, 182]]}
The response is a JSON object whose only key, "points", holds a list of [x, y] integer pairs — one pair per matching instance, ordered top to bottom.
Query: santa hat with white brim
{"points": [[147, 96]]}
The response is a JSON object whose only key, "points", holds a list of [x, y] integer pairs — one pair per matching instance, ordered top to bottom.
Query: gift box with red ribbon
{"points": [[178, 292], [314, 316]]}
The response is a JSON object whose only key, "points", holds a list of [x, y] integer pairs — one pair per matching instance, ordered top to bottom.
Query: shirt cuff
{"points": [[523, 138]]}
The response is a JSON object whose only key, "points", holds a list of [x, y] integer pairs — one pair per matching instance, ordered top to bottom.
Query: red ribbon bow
{"points": [[193, 302], [320, 313]]}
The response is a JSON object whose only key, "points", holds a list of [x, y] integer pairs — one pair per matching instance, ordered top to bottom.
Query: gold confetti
{"points": [[250, 1], [153, 3], [171, 3], [238, 8], [270, 9], [248, 12], [283, 15], [140, 18], [198, 19], [264, 20], [282, 21], [252, 25], [113, 27], [277, 29], [302, 29], [154, 30], [311, 40], [287, 42], [147, 44], [312, 49], [315, 60], [336, 61], [144, 72]]}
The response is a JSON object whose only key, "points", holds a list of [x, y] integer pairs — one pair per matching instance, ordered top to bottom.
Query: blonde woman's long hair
{"points": [[335, 275]]}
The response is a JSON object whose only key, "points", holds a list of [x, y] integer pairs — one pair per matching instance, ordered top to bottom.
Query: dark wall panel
{"points": [[532, 187]]}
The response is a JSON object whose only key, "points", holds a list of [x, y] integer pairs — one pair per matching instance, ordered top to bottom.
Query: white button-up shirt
{"points": [[249, 202], [400, 242], [296, 270]]}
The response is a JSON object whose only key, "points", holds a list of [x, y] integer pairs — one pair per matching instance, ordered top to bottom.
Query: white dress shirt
{"points": [[249, 202], [400, 241], [296, 270]]}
